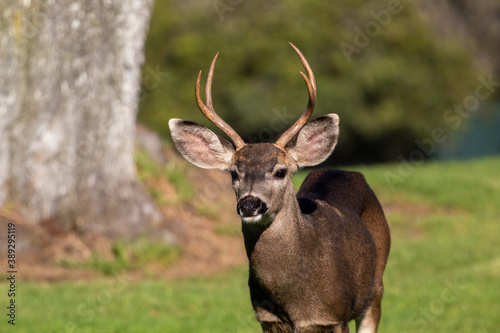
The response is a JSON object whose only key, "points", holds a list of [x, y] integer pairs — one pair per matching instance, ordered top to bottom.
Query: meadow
{"points": [[443, 273]]}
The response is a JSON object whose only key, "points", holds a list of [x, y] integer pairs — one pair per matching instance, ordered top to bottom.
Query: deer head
{"points": [[261, 173]]}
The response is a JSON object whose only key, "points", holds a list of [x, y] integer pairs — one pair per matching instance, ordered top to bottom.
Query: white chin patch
{"points": [[251, 219]]}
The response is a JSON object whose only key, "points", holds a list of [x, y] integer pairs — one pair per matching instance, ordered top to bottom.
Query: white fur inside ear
{"points": [[315, 141], [200, 146]]}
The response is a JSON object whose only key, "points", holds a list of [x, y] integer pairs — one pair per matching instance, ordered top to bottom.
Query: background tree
{"points": [[473, 24], [476, 26], [378, 64], [69, 82]]}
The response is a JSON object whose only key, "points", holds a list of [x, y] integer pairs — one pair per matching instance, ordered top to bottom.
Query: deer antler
{"points": [[311, 88], [208, 110]]}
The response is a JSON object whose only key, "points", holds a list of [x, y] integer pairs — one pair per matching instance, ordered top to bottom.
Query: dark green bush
{"points": [[392, 89]]}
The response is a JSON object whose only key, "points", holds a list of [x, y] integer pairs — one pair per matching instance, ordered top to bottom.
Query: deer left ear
{"points": [[315, 141]]}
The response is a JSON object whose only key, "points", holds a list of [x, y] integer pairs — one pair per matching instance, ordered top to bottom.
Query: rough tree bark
{"points": [[69, 84]]}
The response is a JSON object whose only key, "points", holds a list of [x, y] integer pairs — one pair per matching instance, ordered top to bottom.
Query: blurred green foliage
{"points": [[377, 64]]}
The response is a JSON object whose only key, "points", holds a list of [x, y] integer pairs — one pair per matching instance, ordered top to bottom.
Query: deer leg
{"points": [[269, 322], [368, 323]]}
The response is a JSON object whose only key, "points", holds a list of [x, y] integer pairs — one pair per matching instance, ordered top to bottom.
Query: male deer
{"points": [[316, 258]]}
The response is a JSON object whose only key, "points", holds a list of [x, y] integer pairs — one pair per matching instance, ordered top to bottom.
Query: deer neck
{"points": [[283, 229]]}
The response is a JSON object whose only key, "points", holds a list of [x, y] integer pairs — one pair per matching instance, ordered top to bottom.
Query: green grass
{"points": [[471, 186], [444, 269], [443, 272], [216, 304]]}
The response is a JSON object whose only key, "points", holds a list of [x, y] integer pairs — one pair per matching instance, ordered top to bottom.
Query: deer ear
{"points": [[315, 141], [200, 146]]}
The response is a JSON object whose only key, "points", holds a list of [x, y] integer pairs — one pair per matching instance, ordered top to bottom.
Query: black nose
{"points": [[251, 206]]}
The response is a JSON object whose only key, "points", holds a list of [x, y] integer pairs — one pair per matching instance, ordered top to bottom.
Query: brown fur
{"points": [[316, 258], [319, 264]]}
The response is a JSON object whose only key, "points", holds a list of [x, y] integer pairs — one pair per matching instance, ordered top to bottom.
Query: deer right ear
{"points": [[200, 146]]}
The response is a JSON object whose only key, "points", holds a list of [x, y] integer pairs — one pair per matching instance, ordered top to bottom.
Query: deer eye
{"points": [[281, 173], [234, 175]]}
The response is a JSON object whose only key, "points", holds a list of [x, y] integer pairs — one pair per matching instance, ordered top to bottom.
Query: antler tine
{"points": [[208, 87], [311, 88], [208, 110]]}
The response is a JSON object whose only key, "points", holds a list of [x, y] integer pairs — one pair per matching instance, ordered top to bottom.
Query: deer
{"points": [[317, 257]]}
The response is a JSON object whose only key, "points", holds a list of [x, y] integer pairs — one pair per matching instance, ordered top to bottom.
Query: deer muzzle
{"points": [[251, 209]]}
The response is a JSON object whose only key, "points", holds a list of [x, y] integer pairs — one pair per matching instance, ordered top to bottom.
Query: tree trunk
{"points": [[69, 84]]}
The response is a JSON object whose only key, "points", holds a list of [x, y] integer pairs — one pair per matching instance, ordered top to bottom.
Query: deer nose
{"points": [[250, 206]]}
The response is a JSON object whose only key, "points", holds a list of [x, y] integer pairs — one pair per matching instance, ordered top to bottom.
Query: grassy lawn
{"points": [[443, 273], [215, 304]]}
